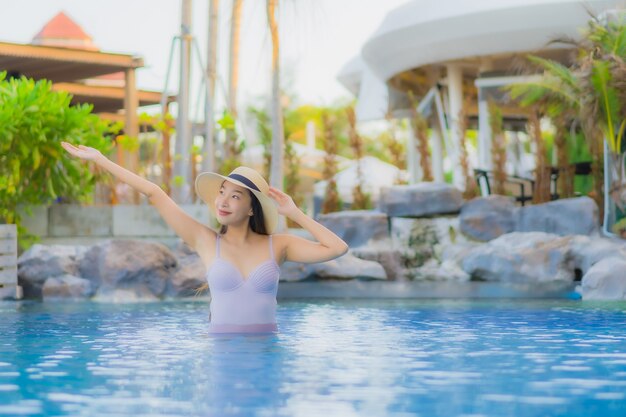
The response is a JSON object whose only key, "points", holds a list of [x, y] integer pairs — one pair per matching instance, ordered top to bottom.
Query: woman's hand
{"points": [[82, 152], [286, 206]]}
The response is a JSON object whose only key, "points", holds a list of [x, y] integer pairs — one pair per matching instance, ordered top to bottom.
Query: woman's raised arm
{"points": [[185, 226], [297, 249]]}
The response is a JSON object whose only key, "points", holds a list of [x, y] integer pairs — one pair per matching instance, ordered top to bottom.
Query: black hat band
{"points": [[244, 180]]}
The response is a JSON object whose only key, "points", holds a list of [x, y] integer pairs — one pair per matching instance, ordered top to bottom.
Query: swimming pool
{"points": [[331, 358]]}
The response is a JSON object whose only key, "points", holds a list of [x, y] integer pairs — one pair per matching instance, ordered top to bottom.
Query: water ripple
{"points": [[346, 358]]}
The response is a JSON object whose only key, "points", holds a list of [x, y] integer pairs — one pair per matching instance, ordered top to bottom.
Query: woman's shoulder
{"points": [[207, 237]]}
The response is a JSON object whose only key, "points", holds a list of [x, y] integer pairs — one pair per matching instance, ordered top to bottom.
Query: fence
{"points": [[8, 262]]}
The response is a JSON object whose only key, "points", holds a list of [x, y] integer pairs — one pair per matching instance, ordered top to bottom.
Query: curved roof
{"points": [[424, 32]]}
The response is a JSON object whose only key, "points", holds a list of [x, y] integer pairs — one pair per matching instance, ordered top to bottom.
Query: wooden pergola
{"points": [[65, 66]]}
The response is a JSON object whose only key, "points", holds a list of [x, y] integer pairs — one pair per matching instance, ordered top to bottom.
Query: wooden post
{"points": [[131, 125], [8, 262]]}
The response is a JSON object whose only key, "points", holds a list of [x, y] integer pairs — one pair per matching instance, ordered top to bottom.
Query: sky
{"points": [[317, 38]]}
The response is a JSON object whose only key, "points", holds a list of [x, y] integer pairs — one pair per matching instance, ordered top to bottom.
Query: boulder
{"points": [[420, 200], [569, 216], [486, 218], [358, 227], [417, 241], [586, 251], [385, 255], [521, 258], [41, 262], [141, 267], [345, 267], [348, 267], [433, 270], [294, 271], [188, 278], [606, 280], [66, 287]]}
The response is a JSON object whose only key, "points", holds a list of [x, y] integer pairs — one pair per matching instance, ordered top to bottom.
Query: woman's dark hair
{"points": [[257, 220]]}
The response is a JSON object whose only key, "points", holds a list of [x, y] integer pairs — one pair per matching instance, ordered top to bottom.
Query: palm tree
{"points": [[602, 54], [233, 61], [593, 90], [557, 94], [278, 135], [208, 160]]}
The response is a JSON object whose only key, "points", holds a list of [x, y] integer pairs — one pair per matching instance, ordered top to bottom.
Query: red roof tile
{"points": [[61, 30]]}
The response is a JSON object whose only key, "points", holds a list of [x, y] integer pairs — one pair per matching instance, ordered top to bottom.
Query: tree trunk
{"points": [[233, 62], [498, 149], [208, 151], [276, 171], [541, 193]]}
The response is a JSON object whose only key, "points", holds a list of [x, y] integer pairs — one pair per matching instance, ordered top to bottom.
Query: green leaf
{"points": [[609, 103], [227, 122], [36, 158], [51, 188]]}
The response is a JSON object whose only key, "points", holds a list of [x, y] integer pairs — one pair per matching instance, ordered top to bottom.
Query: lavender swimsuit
{"points": [[243, 305]]}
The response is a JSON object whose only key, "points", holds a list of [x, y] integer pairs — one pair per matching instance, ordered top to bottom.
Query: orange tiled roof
{"points": [[62, 31]]}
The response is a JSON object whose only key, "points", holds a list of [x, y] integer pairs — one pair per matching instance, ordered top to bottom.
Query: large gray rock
{"points": [[420, 200], [570, 216], [486, 218], [357, 228], [418, 241], [586, 251], [534, 257], [389, 258], [41, 262], [345, 267], [140, 269], [434, 270], [188, 278], [606, 280], [66, 287]]}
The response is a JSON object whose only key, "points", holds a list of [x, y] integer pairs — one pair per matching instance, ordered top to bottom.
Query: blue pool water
{"points": [[331, 358]]}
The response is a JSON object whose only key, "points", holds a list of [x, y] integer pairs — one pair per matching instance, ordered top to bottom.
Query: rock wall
{"points": [[420, 233]]}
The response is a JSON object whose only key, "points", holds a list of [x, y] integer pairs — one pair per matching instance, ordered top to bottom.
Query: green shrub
{"points": [[34, 168]]}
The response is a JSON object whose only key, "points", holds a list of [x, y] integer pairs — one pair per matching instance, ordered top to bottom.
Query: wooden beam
{"points": [[69, 55]]}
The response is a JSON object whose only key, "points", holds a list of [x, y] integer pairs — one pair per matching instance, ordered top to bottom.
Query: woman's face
{"points": [[233, 204]]}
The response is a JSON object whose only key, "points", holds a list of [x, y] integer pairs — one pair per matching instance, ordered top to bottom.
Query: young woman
{"points": [[243, 257]]}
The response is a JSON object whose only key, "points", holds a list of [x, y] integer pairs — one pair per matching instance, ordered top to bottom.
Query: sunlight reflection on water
{"points": [[348, 358]]}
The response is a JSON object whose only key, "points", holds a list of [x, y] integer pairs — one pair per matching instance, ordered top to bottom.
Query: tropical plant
{"points": [[602, 54], [591, 90], [557, 95], [165, 125], [420, 130], [264, 131], [233, 147], [498, 148], [397, 152], [34, 169], [292, 177], [471, 189], [541, 193], [360, 200], [331, 202]]}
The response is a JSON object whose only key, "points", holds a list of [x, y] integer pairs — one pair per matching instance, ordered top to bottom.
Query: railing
{"points": [[8, 262]]}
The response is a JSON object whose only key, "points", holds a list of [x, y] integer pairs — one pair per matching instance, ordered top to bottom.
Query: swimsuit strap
{"points": [[217, 246], [271, 249]]}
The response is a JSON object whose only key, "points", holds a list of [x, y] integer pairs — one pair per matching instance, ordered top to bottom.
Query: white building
{"points": [[446, 51]]}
